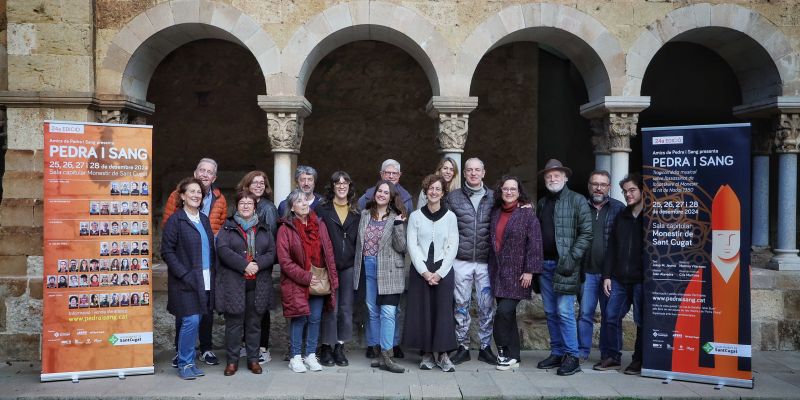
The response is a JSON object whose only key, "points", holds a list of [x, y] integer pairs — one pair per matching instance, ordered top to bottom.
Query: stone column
{"points": [[285, 116], [619, 116], [453, 126], [621, 128], [762, 142], [787, 145], [602, 156]]}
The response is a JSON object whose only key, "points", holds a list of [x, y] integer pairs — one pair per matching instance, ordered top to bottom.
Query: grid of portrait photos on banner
{"points": [[122, 258]]}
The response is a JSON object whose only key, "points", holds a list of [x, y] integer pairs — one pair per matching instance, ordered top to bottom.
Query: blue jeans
{"points": [[592, 290], [620, 301], [560, 312], [381, 318], [313, 320], [186, 339]]}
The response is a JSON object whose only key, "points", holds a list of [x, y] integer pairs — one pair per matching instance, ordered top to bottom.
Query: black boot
{"points": [[373, 351], [325, 355], [338, 355], [461, 355], [486, 355], [551, 361], [569, 366]]}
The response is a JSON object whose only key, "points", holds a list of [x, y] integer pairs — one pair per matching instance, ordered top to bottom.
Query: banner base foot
{"points": [[121, 375], [76, 379], [667, 381], [719, 386]]}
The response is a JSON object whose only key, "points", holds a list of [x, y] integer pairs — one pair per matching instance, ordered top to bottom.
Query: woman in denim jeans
{"points": [[303, 242], [187, 246], [380, 253]]}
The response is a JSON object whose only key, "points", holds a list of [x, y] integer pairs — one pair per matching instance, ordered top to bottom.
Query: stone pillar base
{"points": [[760, 256], [785, 260]]}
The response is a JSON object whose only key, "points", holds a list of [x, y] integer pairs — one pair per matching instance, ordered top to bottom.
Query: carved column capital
{"points": [[111, 116], [285, 116], [453, 116], [621, 127], [285, 132], [452, 133], [787, 133], [599, 136], [762, 139]]}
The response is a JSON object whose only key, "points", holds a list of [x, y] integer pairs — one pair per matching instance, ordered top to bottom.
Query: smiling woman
{"points": [[187, 246]]}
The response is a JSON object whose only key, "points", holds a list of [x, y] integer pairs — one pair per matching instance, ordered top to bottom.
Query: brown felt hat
{"points": [[553, 164]]}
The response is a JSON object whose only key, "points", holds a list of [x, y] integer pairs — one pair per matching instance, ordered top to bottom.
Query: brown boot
{"points": [[389, 365]]}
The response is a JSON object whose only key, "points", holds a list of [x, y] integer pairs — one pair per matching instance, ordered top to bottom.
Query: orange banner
{"points": [[97, 242]]}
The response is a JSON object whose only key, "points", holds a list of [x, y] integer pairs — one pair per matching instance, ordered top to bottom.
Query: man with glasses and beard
{"points": [[604, 211]]}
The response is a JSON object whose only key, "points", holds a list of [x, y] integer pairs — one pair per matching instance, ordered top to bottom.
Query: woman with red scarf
{"points": [[303, 243], [246, 252], [515, 255]]}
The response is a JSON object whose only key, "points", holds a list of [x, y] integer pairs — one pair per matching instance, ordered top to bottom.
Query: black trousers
{"points": [[206, 324], [247, 324], [506, 333]]}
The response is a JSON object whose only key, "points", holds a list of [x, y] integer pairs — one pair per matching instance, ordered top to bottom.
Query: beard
{"points": [[555, 187], [599, 198]]}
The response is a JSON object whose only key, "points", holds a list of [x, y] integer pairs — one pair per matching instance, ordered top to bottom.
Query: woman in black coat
{"points": [[257, 182], [340, 214], [187, 246], [246, 252]]}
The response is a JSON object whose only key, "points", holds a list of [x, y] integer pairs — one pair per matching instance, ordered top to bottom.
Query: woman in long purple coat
{"points": [[516, 254]]}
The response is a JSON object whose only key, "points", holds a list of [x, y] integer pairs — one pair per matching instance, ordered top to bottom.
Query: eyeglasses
{"points": [[203, 171], [391, 173], [258, 183], [599, 185], [509, 190], [246, 204]]}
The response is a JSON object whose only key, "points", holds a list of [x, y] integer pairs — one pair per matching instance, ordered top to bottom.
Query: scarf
{"points": [[505, 214], [248, 229], [309, 236]]}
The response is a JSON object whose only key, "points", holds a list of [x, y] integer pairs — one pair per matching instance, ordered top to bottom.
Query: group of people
{"points": [[336, 249]]}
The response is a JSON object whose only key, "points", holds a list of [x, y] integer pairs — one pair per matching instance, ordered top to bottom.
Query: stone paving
{"points": [[777, 376]]}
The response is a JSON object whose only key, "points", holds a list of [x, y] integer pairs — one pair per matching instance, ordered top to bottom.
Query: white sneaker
{"points": [[264, 356], [312, 363], [506, 363], [296, 364]]}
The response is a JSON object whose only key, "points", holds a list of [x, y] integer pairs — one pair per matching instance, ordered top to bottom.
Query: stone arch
{"points": [[361, 20], [138, 48], [595, 52], [758, 52]]}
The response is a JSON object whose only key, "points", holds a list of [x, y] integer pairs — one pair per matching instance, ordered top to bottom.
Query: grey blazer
{"points": [[391, 258]]}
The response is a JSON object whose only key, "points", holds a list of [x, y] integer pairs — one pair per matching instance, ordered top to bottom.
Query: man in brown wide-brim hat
{"points": [[555, 165], [566, 222]]}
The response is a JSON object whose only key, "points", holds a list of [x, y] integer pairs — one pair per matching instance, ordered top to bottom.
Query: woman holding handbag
{"points": [[380, 252], [308, 277]]}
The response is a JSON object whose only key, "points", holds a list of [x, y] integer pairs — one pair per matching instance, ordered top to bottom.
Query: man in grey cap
{"points": [[566, 222]]}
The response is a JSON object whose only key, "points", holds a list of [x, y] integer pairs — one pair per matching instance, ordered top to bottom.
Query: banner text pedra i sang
{"points": [[97, 241], [697, 283]]}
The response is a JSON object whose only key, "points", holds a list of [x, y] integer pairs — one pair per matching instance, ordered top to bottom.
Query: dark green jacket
{"points": [[573, 221]]}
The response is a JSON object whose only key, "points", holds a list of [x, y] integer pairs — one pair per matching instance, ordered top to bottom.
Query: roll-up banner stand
{"points": [[97, 251], [697, 281]]}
